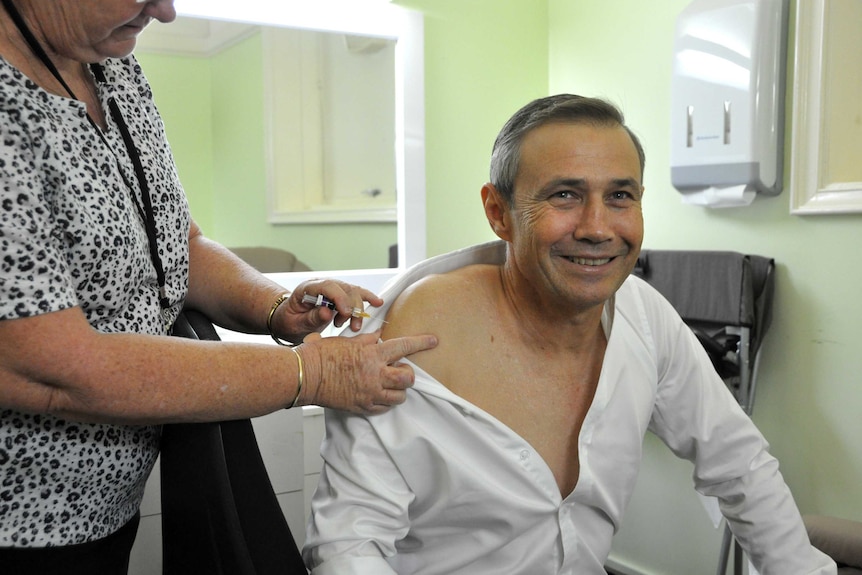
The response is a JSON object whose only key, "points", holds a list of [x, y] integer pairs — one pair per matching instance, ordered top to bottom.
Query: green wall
{"points": [[483, 60], [188, 122]]}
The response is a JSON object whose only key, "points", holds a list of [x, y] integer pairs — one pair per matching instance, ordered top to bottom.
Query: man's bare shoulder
{"points": [[436, 297], [447, 305]]}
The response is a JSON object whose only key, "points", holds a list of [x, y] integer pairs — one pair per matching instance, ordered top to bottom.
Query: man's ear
{"points": [[497, 211]]}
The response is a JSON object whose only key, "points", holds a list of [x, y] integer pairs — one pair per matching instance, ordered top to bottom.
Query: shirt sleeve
{"points": [[698, 418], [360, 507]]}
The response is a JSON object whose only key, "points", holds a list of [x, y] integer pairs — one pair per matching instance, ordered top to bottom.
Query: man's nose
{"points": [[592, 222]]}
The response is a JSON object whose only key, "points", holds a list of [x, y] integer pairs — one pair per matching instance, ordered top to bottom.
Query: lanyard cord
{"points": [[145, 211]]}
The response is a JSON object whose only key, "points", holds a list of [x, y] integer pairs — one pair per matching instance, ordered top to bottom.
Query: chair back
{"points": [[270, 260], [712, 287], [726, 298]]}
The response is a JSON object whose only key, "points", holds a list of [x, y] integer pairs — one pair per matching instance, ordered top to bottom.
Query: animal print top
{"points": [[71, 235]]}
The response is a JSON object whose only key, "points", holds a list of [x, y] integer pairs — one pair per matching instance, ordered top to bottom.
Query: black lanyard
{"points": [[145, 211]]}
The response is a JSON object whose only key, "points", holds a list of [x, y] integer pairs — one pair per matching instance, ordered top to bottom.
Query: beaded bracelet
{"points": [[278, 301], [300, 377]]}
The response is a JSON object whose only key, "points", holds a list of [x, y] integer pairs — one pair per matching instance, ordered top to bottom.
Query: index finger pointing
{"points": [[399, 347]]}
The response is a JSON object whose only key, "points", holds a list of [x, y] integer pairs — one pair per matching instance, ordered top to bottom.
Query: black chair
{"points": [[726, 299], [220, 514]]}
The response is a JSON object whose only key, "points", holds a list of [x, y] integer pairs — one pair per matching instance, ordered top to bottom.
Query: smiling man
{"points": [[517, 450]]}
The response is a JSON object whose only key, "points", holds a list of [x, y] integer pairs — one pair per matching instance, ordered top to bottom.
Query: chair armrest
{"points": [[841, 539]]}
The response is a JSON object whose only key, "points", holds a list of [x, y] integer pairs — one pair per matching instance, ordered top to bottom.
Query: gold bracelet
{"points": [[278, 301], [301, 374]]}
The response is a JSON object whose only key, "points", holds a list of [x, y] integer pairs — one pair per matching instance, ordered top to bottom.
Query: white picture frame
{"points": [[826, 144]]}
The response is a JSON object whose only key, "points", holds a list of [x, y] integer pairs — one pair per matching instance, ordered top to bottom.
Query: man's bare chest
{"points": [[543, 400]]}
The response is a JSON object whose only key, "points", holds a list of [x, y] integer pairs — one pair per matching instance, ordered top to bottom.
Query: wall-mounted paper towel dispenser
{"points": [[727, 120]]}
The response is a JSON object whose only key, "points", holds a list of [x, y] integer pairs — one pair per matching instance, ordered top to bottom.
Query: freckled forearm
{"points": [[136, 379]]}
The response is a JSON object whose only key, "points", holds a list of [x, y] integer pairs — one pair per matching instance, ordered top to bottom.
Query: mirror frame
{"points": [[369, 18], [810, 191]]}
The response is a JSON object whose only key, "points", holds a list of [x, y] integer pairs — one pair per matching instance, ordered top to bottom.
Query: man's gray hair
{"points": [[561, 108]]}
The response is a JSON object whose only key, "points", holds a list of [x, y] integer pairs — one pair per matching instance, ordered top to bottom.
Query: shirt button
{"points": [[525, 454]]}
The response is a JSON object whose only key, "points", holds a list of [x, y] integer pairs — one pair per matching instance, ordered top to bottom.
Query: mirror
{"points": [[329, 117], [388, 213]]}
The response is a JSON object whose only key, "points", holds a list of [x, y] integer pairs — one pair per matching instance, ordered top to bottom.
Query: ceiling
{"points": [[192, 36]]}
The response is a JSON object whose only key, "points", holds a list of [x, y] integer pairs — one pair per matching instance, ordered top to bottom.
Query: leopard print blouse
{"points": [[71, 235]]}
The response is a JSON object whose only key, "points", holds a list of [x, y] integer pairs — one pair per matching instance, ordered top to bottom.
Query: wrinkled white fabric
{"points": [[438, 486]]}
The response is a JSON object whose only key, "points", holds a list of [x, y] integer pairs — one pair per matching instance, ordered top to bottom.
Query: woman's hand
{"points": [[294, 319], [358, 374]]}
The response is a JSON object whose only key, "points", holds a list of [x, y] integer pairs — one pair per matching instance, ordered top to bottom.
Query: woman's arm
{"points": [[236, 296], [56, 363]]}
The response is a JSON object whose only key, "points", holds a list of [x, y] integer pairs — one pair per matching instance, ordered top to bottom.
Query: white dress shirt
{"points": [[438, 486]]}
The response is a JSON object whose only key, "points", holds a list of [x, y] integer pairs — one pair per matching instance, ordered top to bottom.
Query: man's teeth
{"points": [[587, 262]]}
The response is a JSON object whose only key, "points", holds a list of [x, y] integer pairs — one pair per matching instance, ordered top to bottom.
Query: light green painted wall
{"points": [[483, 60], [188, 123], [809, 393]]}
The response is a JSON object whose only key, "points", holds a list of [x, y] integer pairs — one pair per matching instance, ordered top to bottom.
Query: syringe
{"points": [[320, 301]]}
